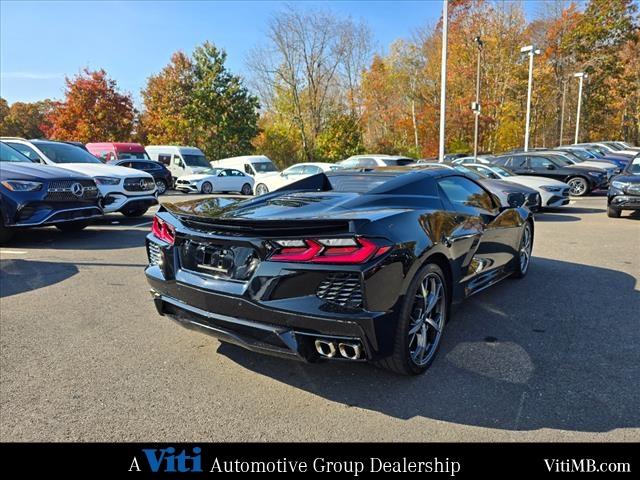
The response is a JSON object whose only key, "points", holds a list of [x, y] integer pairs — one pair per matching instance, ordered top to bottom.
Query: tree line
{"points": [[319, 90]]}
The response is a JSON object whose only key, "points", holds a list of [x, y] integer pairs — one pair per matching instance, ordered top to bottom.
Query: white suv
{"points": [[125, 190]]}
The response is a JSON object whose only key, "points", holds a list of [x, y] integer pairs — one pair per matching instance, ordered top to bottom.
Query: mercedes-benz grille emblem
{"points": [[143, 184], [77, 189]]}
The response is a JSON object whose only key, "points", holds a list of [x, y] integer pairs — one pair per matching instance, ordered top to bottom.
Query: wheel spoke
{"points": [[433, 323]]}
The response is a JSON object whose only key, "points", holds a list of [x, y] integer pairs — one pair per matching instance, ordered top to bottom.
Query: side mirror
{"points": [[550, 166], [282, 174], [516, 199]]}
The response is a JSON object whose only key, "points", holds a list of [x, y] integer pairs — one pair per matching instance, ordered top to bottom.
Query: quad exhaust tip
{"points": [[327, 349], [351, 351]]}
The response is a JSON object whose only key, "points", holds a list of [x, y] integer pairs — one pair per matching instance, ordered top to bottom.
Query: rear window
{"points": [[133, 156], [397, 162], [357, 183]]}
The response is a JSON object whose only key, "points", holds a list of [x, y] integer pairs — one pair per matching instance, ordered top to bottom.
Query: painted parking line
{"points": [[148, 222], [12, 252]]}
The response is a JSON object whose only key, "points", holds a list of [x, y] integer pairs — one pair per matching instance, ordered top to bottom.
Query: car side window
{"points": [[26, 151], [164, 159], [177, 160], [367, 162], [517, 162], [539, 162], [350, 163], [248, 170], [297, 170], [311, 170], [486, 171], [223, 173], [236, 173], [464, 193]]}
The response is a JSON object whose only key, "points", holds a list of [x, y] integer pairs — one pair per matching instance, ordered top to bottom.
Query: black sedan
{"points": [[157, 170], [582, 180], [624, 191], [33, 195], [342, 265]]}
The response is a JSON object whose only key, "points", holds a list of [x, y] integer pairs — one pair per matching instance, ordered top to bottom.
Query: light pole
{"points": [[531, 51], [581, 76], [443, 78], [564, 95], [475, 106]]}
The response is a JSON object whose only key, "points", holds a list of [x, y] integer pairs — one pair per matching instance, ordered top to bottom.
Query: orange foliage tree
{"points": [[93, 110]]}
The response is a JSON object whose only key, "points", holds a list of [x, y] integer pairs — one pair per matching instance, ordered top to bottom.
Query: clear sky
{"points": [[41, 42]]}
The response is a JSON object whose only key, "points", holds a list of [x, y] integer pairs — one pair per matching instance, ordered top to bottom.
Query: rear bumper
{"points": [[265, 329]]}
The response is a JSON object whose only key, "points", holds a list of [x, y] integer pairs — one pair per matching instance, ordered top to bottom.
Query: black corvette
{"points": [[343, 265]]}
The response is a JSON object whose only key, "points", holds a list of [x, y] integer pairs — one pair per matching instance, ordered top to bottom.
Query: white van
{"points": [[179, 160], [260, 167]]}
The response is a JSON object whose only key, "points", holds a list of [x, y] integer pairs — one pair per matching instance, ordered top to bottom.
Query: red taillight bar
{"points": [[163, 230], [314, 252]]}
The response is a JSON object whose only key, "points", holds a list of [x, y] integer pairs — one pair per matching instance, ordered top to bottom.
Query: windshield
{"points": [[612, 145], [65, 153], [8, 154], [133, 156], [196, 161], [397, 162], [264, 167], [634, 167], [211, 171], [505, 172], [470, 173]]}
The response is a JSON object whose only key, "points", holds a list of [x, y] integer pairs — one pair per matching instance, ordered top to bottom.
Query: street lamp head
{"points": [[479, 41], [526, 49], [580, 75]]}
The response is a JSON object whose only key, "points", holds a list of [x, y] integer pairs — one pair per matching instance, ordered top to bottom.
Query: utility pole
{"points": [[531, 51], [581, 76], [443, 78], [564, 95], [476, 105]]}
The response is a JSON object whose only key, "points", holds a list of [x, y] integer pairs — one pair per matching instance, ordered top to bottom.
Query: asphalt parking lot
{"points": [[84, 355]]}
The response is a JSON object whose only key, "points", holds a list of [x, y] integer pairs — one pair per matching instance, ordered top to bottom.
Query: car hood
{"points": [[590, 164], [98, 170], [35, 171], [194, 177], [627, 178], [534, 182], [502, 187], [292, 206]]}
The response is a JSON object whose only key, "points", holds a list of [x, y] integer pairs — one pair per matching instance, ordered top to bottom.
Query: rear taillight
{"points": [[163, 230], [328, 250]]}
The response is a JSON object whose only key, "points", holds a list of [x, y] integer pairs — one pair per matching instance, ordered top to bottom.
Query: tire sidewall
{"points": [[203, 188], [405, 320]]}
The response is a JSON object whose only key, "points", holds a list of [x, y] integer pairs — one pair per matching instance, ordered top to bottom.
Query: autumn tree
{"points": [[311, 64], [197, 101], [93, 110], [23, 119]]}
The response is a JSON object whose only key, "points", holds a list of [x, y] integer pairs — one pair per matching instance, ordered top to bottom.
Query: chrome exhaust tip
{"points": [[325, 348], [352, 351]]}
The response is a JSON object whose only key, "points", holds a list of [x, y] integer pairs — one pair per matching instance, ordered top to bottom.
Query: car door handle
{"points": [[450, 240]]}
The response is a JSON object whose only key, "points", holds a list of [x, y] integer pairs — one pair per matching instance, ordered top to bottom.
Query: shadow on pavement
{"points": [[555, 217], [95, 237], [17, 276], [559, 349]]}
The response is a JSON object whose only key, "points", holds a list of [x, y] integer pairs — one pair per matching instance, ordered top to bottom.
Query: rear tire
{"points": [[162, 186], [579, 186], [206, 188], [246, 189], [261, 189], [613, 212], [135, 213], [75, 226], [417, 341]]}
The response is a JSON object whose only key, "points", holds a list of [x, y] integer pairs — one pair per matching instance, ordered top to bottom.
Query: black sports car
{"points": [[624, 191], [341, 265]]}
